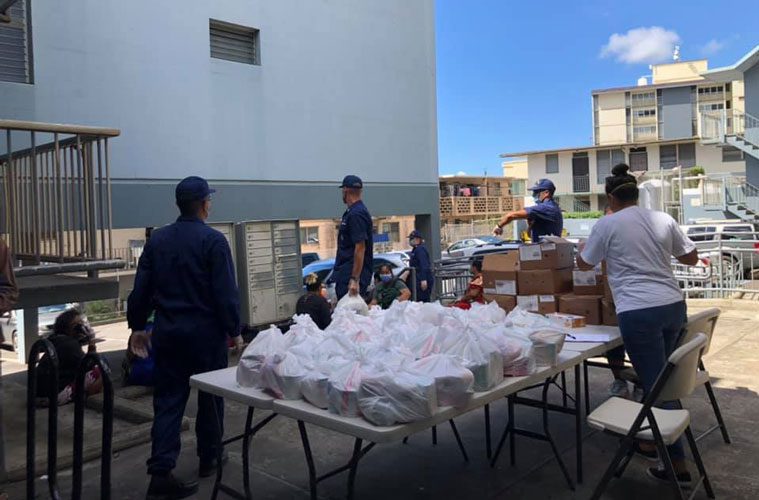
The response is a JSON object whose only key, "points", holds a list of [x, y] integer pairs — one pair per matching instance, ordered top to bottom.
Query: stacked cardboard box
{"points": [[500, 279]]}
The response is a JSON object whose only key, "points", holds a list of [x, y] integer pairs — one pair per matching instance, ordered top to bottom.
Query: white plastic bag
{"points": [[353, 303], [523, 319], [424, 342], [265, 344], [546, 346], [521, 361], [487, 367], [281, 375], [454, 383], [342, 389], [397, 397]]}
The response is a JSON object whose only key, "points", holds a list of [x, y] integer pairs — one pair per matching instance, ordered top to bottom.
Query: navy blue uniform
{"points": [[546, 219], [355, 227], [420, 259], [186, 275]]}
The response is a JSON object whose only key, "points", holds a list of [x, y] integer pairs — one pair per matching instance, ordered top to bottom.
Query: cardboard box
{"points": [[558, 254], [499, 273], [544, 282], [587, 282], [607, 289], [507, 302], [548, 304], [582, 305], [608, 313], [566, 320]]}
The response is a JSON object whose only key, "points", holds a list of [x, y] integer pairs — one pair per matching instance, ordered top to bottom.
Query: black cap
{"points": [[352, 181], [543, 185], [193, 188], [415, 234]]}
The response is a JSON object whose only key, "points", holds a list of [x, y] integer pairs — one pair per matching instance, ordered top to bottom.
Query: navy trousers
{"points": [[176, 360]]}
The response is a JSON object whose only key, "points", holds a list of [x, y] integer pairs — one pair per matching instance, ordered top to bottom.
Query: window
{"points": [[234, 43], [16, 45], [714, 106], [645, 112], [644, 131], [729, 153], [686, 154], [667, 157], [638, 159], [605, 160], [552, 164], [518, 187], [393, 229], [737, 229], [701, 233], [309, 235]]}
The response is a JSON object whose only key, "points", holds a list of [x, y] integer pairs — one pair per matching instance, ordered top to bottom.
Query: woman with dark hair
{"points": [[638, 245], [475, 291], [313, 302], [70, 334]]}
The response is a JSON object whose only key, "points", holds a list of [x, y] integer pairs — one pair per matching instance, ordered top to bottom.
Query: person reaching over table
{"points": [[544, 218], [638, 245], [475, 291]]}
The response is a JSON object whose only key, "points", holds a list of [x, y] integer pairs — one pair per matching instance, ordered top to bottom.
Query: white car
{"points": [[478, 246], [47, 315]]}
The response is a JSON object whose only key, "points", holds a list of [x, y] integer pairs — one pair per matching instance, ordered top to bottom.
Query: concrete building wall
{"points": [[679, 72], [343, 87], [676, 113], [612, 120]]}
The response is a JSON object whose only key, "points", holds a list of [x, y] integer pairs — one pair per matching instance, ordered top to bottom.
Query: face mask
{"points": [[536, 197], [412, 242], [386, 277]]}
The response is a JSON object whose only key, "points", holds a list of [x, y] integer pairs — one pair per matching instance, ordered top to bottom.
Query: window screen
{"points": [[234, 43], [16, 45], [686, 155], [667, 157], [638, 159], [552, 164], [603, 165]]}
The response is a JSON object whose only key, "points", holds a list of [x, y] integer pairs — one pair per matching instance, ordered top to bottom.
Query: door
{"points": [[580, 173]]}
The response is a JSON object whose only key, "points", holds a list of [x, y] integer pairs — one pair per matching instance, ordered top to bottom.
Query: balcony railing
{"points": [[581, 184], [462, 206]]}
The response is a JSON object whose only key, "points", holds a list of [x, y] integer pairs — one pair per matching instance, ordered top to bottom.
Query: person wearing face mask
{"points": [[544, 218], [420, 260], [353, 261], [186, 274], [389, 289], [314, 303]]}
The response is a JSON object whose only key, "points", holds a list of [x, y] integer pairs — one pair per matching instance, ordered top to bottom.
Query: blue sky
{"points": [[516, 76]]}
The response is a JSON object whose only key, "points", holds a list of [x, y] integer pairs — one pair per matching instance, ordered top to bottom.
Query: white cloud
{"points": [[642, 45], [712, 47], [461, 173]]}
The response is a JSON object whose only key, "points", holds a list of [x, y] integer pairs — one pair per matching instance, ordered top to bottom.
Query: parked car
{"points": [[734, 243], [479, 246], [308, 257], [323, 268], [47, 315]]}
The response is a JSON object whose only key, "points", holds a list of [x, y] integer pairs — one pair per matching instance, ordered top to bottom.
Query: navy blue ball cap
{"points": [[352, 181], [543, 185], [193, 188], [415, 234]]}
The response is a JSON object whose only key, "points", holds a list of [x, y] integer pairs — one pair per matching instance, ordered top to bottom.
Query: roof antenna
{"points": [[676, 54]]}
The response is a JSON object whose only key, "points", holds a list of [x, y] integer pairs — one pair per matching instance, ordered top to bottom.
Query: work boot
{"points": [[208, 467], [169, 487]]}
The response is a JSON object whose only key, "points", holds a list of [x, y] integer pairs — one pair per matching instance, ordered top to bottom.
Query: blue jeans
{"points": [[650, 335]]}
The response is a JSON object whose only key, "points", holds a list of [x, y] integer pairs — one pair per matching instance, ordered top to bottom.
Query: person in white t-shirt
{"points": [[638, 245]]}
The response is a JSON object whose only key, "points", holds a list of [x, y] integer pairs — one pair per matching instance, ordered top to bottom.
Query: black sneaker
{"points": [[208, 468], [662, 475], [170, 488]]}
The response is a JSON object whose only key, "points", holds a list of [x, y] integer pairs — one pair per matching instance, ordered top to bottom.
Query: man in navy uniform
{"points": [[544, 217], [420, 260], [353, 262], [187, 276]]}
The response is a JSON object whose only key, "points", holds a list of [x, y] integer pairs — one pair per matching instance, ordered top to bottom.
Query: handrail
{"points": [[60, 128], [71, 267], [52, 426]]}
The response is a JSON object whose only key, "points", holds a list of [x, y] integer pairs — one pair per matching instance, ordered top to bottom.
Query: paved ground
{"points": [[420, 470]]}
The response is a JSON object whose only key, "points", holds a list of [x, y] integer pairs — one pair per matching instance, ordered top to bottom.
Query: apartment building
{"points": [[653, 125], [465, 199]]}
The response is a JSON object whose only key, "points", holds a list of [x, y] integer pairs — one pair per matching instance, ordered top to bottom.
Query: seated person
{"points": [[389, 289], [474, 292], [314, 303], [70, 334], [137, 370]]}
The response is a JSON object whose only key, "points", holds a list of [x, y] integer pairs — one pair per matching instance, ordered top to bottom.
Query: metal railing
{"points": [[715, 125], [581, 184], [57, 191], [725, 191], [452, 206]]}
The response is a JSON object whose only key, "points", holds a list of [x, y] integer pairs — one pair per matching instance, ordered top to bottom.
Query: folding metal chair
{"points": [[703, 322], [632, 421]]}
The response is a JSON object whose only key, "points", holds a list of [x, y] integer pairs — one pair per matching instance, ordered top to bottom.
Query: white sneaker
{"points": [[619, 389]]}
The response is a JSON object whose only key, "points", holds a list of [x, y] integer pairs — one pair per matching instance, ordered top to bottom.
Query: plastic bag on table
{"points": [[353, 303], [432, 314], [486, 314], [520, 318], [351, 325], [424, 342], [266, 343], [333, 345], [546, 346], [523, 363], [487, 367], [281, 375], [454, 382], [315, 383], [342, 389], [389, 397]]}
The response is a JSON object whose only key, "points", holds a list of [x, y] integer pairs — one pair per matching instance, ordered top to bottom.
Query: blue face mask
{"points": [[536, 197], [386, 277]]}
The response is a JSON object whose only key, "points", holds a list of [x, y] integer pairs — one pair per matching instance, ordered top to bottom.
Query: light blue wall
{"points": [[751, 85], [344, 86], [676, 113]]}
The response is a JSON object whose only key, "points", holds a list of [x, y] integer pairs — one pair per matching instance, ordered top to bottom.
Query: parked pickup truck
{"points": [[734, 243]]}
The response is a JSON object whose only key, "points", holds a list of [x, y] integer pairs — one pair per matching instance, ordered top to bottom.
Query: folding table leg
{"points": [[587, 387], [564, 389], [578, 423], [547, 432], [434, 435], [512, 437], [458, 440], [488, 442], [219, 454], [246, 454], [309, 459], [353, 467]]}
